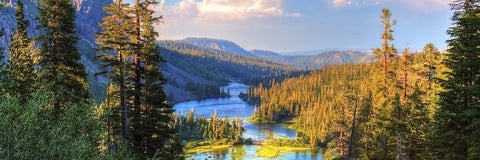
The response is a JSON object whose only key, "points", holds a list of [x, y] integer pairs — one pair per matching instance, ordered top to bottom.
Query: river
{"points": [[236, 107]]}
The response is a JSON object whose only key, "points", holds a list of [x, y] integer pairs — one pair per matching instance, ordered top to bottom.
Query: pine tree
{"points": [[115, 48], [129, 50], [387, 51], [432, 56], [59, 57], [21, 66], [3, 69], [384, 90], [457, 120], [153, 123]]}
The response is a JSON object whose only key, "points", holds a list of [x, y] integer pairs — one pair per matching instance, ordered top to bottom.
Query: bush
{"points": [[35, 131]]}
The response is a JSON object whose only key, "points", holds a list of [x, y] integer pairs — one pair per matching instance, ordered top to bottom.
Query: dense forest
{"points": [[421, 105]]}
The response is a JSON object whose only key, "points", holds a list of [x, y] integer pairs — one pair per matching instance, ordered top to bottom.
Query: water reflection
{"points": [[236, 107]]}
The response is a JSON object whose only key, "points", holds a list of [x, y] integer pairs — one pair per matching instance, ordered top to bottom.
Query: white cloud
{"points": [[342, 3], [414, 3], [429, 3], [235, 9], [215, 10], [295, 15]]}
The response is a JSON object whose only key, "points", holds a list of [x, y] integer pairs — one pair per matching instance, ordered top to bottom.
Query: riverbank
{"points": [[266, 150]]}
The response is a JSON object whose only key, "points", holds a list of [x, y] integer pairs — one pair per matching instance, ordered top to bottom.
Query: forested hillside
{"points": [[199, 72], [402, 106], [342, 107]]}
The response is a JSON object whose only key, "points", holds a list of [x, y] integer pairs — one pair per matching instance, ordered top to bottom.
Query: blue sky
{"points": [[299, 25]]}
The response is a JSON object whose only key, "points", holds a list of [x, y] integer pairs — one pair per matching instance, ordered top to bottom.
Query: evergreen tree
{"points": [[114, 46], [129, 50], [387, 51], [432, 55], [59, 57], [21, 66], [3, 69], [385, 92], [159, 113], [457, 127]]}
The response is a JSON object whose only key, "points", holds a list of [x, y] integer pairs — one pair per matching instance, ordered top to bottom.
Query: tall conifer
{"points": [[128, 42], [115, 48], [59, 58], [21, 66], [458, 118], [153, 125]]}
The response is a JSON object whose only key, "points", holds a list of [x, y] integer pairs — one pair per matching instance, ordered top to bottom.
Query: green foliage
{"points": [[59, 57], [21, 64], [3, 69], [136, 107], [335, 107], [380, 110], [457, 120], [217, 129], [33, 130]]}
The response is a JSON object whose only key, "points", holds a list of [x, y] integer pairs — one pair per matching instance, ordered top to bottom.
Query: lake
{"points": [[236, 107]]}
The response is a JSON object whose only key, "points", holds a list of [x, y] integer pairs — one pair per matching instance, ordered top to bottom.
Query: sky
{"points": [[303, 25]]}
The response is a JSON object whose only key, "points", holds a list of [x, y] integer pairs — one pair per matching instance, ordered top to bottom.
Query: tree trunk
{"points": [[405, 75], [352, 135]]}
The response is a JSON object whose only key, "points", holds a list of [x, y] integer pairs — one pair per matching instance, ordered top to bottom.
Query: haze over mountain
{"points": [[320, 59]]}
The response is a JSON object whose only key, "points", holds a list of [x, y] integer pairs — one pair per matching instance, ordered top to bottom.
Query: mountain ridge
{"points": [[218, 44]]}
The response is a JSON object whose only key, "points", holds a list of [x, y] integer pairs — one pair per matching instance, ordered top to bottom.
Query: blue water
{"points": [[236, 107]]}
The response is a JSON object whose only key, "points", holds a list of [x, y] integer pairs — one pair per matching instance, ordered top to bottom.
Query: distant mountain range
{"points": [[301, 59], [318, 60]]}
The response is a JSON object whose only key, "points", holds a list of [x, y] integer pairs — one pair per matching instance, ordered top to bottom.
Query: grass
{"points": [[199, 146], [274, 147], [208, 148], [270, 151]]}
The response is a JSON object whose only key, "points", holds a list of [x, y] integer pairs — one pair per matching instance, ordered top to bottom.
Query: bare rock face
{"points": [[89, 15]]}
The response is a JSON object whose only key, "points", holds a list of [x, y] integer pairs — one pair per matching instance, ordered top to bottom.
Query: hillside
{"points": [[88, 14], [217, 44], [263, 53], [193, 72]]}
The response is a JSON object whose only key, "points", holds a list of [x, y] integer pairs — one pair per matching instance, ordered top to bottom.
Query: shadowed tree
{"points": [[59, 57], [132, 58], [21, 66], [457, 120]]}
